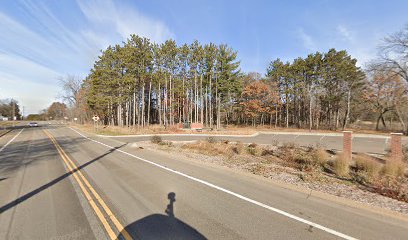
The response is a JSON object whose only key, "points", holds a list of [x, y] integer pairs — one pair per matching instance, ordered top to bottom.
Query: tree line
{"points": [[140, 83], [143, 83], [10, 108]]}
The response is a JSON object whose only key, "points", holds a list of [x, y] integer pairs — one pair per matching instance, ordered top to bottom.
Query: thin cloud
{"points": [[125, 21], [345, 33], [307, 40], [32, 58], [30, 83]]}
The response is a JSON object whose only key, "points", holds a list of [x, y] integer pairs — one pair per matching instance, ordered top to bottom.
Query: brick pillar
{"points": [[347, 144], [396, 147]]}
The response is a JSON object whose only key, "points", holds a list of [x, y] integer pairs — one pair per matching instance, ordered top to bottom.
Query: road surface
{"points": [[58, 183]]}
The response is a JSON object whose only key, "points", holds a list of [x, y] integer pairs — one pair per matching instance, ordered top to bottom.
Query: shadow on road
{"points": [[42, 147], [160, 226]]}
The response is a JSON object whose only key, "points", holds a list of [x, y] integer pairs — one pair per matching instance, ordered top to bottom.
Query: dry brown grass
{"points": [[8, 123], [115, 130], [156, 139], [211, 148], [225, 148], [239, 148], [254, 149], [405, 153], [319, 155], [309, 159], [367, 165], [341, 166], [393, 168], [366, 169], [393, 187]]}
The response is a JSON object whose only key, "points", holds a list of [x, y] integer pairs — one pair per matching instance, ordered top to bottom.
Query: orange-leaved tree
{"points": [[257, 100]]}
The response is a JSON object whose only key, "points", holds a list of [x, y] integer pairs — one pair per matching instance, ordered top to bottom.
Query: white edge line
{"points": [[11, 140], [318, 226]]}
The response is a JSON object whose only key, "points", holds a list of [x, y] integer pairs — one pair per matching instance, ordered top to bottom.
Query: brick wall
{"points": [[197, 125], [347, 144], [396, 147]]}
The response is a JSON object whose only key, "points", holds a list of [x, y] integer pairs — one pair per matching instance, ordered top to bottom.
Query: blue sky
{"points": [[41, 41]]}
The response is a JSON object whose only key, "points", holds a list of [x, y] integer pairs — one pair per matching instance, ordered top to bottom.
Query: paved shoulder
{"points": [[38, 200]]}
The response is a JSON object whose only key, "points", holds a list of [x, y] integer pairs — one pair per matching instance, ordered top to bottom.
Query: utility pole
{"points": [[13, 106], [22, 117]]}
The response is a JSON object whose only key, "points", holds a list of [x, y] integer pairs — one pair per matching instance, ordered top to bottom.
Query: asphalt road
{"points": [[373, 144], [116, 191]]}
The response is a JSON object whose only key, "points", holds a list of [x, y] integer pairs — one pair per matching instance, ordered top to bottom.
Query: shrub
{"points": [[156, 139], [211, 140], [166, 143], [253, 145], [289, 145], [201, 146], [238, 148], [254, 149], [266, 152], [405, 152], [319, 155], [287, 156], [304, 161], [367, 165], [341, 166], [393, 168], [366, 169]]}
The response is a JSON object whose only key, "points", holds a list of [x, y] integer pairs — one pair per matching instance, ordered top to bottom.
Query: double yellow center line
{"points": [[91, 195]]}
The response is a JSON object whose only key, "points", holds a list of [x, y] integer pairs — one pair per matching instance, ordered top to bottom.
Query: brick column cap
{"points": [[347, 131], [400, 134]]}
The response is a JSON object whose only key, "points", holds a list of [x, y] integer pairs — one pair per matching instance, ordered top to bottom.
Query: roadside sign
{"points": [[96, 119]]}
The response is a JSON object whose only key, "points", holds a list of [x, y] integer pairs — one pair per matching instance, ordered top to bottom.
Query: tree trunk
{"points": [[201, 99], [210, 100], [171, 103], [143, 104], [165, 104], [159, 105], [148, 106], [206, 106], [134, 108], [183, 110], [310, 110], [287, 112], [346, 118], [400, 118], [378, 121]]}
